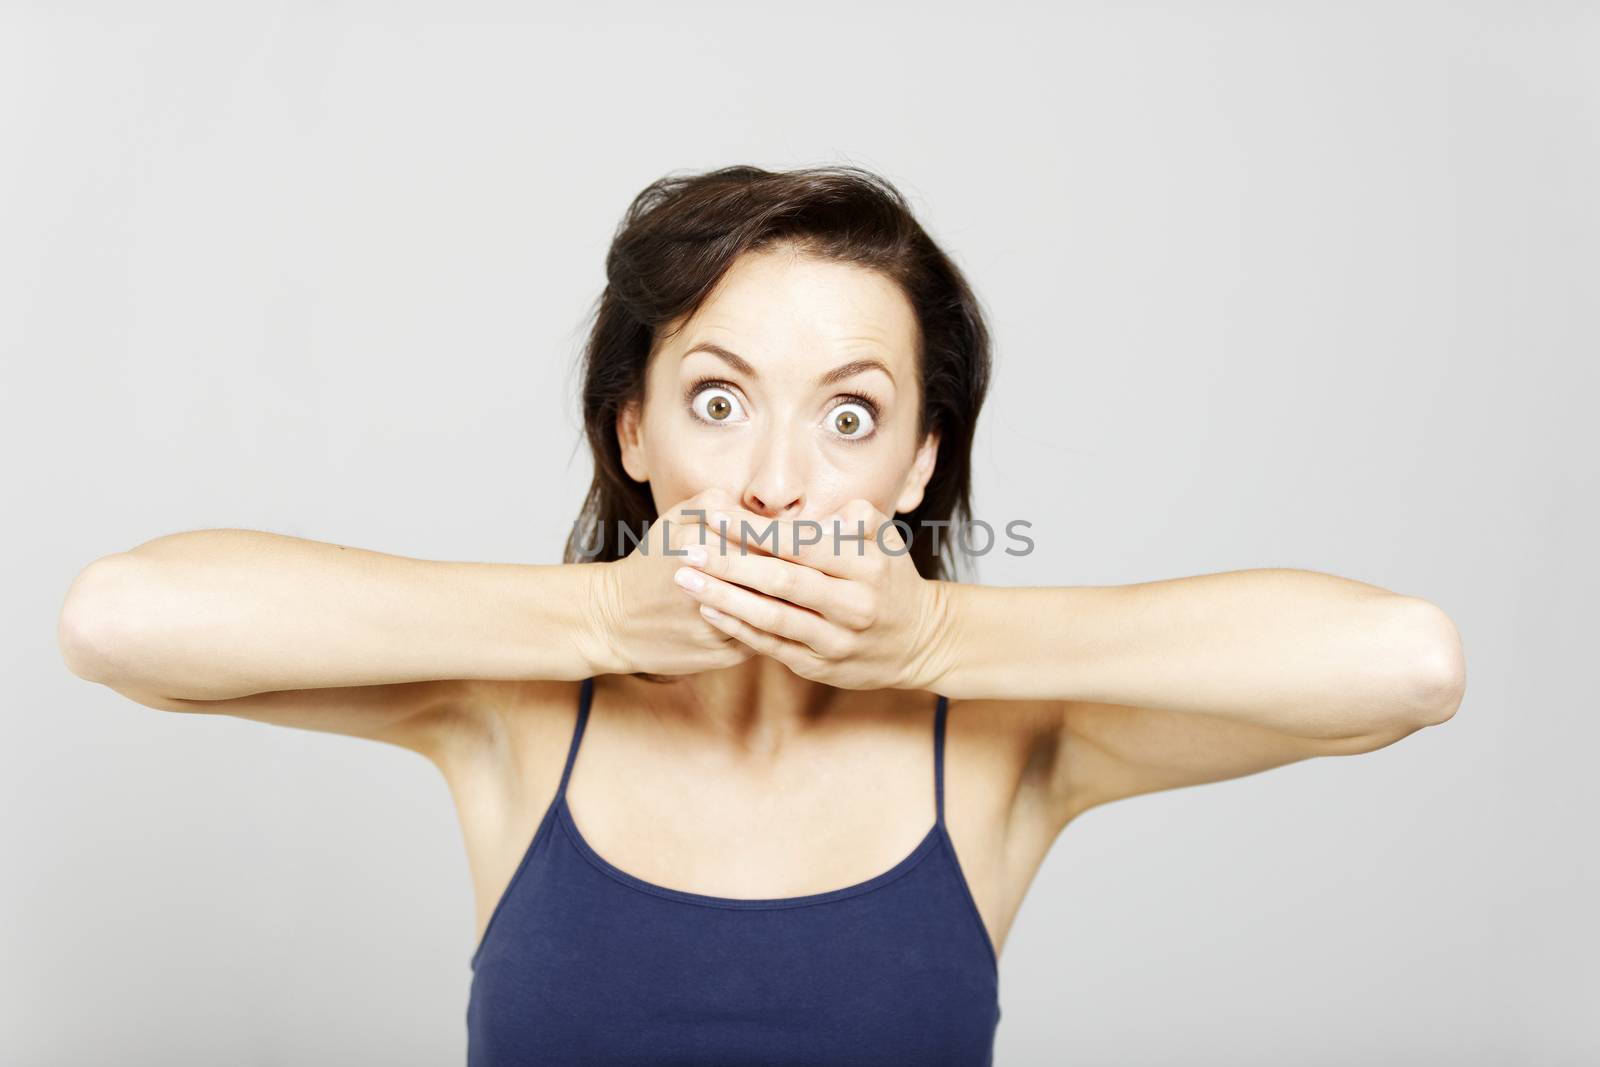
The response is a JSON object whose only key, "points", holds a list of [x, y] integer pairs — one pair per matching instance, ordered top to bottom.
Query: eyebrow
{"points": [[837, 374]]}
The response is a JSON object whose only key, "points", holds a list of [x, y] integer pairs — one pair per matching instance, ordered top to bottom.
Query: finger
{"points": [[835, 545], [839, 600], [763, 612], [794, 656]]}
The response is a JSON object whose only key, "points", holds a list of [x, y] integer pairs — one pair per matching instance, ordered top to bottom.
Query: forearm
{"points": [[214, 614], [1291, 650]]}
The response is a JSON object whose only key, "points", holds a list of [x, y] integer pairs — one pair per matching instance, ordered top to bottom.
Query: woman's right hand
{"points": [[646, 620]]}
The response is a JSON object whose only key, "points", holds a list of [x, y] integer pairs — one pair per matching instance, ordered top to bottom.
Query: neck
{"points": [[756, 707]]}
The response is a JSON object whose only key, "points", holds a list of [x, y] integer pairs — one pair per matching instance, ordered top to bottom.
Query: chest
{"points": [[838, 822], [886, 973]]}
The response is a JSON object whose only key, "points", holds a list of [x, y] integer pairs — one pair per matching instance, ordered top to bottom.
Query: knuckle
{"points": [[785, 583]]}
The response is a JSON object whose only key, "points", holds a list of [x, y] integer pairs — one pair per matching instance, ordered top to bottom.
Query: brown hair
{"points": [[678, 238]]}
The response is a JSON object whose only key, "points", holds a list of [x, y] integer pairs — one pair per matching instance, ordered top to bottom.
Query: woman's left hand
{"points": [[859, 616]]}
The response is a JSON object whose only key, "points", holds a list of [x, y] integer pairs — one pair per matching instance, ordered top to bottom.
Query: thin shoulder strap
{"points": [[585, 695], [939, 716]]}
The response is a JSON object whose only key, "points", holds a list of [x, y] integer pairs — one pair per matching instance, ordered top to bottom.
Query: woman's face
{"points": [[793, 387]]}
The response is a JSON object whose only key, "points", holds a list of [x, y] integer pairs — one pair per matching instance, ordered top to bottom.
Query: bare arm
{"points": [[319, 635], [1298, 652], [1192, 680]]}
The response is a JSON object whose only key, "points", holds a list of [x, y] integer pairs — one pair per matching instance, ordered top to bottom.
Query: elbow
{"points": [[90, 621], [1435, 666]]}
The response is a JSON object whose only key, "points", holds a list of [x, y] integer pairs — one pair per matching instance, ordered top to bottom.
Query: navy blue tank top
{"points": [[583, 963]]}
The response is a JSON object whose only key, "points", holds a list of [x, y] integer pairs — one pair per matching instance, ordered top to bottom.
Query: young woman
{"points": [[780, 799]]}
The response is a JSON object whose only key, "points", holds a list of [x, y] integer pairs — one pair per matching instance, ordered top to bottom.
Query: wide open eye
{"points": [[713, 400], [856, 419]]}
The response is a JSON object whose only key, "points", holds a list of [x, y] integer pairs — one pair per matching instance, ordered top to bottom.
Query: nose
{"points": [[776, 487]]}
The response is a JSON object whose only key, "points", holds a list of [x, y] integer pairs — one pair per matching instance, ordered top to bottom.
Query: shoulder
{"points": [[497, 722], [1009, 745], [1000, 757]]}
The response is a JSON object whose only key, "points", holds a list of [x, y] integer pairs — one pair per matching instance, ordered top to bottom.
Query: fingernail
{"points": [[689, 579]]}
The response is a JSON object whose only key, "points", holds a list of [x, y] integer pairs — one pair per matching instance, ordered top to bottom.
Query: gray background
{"points": [[1271, 285]]}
